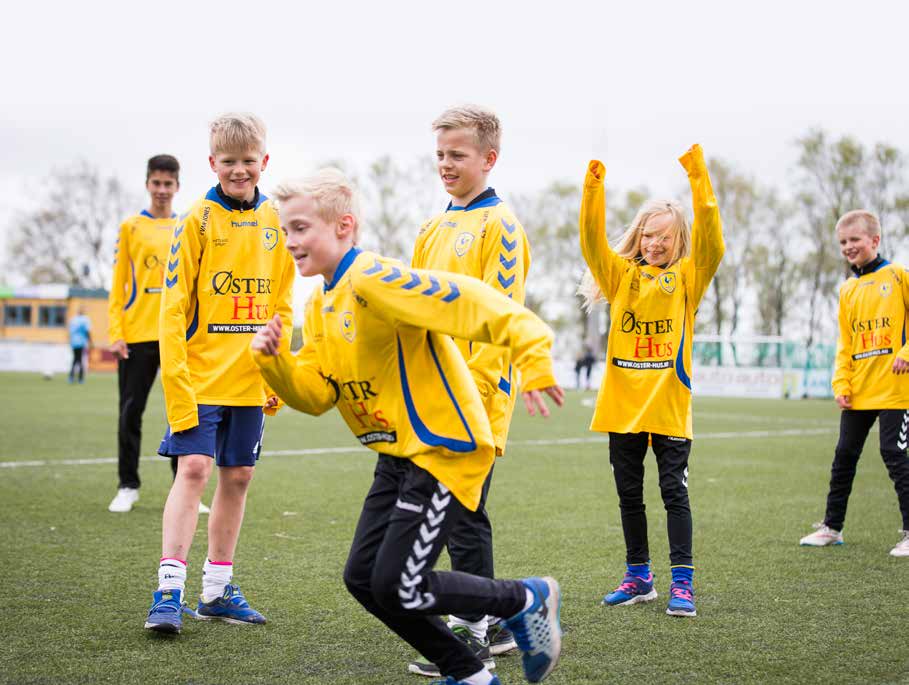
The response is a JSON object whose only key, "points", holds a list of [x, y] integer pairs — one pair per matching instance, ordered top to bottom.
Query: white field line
{"points": [[595, 439]]}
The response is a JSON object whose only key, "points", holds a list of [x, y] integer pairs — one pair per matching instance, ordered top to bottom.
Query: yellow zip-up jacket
{"points": [[483, 240], [227, 273], [135, 292], [872, 322], [378, 346], [647, 383]]}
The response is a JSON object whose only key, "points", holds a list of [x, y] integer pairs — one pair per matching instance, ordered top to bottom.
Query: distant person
{"points": [[490, 244], [227, 274], [653, 282], [133, 307], [80, 339], [584, 363], [870, 380], [422, 414]]}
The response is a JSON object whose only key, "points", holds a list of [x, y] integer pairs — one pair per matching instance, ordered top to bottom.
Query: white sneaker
{"points": [[124, 501], [203, 509], [823, 535], [902, 547]]}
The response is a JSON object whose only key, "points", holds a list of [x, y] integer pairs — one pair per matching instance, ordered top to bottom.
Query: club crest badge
{"points": [[270, 238], [463, 243], [667, 282], [885, 289], [348, 327]]}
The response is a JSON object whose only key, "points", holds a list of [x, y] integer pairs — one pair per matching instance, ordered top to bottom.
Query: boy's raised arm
{"points": [[707, 247], [178, 321]]}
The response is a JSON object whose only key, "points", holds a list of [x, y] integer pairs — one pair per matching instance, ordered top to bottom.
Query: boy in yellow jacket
{"points": [[477, 235], [227, 273], [378, 346], [869, 380]]}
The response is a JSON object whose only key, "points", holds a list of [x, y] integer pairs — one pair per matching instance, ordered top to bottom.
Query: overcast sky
{"points": [[631, 83]]}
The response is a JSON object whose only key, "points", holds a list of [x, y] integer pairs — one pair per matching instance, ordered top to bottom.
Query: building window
{"points": [[17, 315], [52, 316]]}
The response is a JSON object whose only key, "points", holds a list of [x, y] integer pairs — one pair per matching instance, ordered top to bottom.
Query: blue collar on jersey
{"points": [[487, 198], [232, 204], [145, 212], [342, 267], [869, 268]]}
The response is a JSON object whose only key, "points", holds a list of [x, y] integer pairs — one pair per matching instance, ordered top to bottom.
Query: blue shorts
{"points": [[232, 435]]}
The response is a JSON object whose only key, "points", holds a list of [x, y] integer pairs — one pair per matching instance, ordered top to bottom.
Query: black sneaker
{"points": [[501, 640], [479, 647]]}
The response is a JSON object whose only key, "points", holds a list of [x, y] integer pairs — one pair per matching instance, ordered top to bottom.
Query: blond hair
{"points": [[483, 122], [236, 132], [333, 193], [870, 223], [629, 245]]}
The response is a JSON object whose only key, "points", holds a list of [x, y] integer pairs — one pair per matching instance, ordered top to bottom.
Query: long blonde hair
{"points": [[629, 245]]}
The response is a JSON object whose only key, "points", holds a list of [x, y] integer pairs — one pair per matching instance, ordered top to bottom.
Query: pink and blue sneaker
{"points": [[632, 590], [681, 599], [231, 607]]}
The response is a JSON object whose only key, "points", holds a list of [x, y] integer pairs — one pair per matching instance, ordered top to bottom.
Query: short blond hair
{"points": [[481, 121], [236, 132], [333, 193], [870, 223]]}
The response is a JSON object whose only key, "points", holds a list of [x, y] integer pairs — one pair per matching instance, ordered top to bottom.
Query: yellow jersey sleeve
{"points": [[707, 246], [606, 266], [120, 280], [179, 304], [461, 307], [285, 311], [842, 370]]}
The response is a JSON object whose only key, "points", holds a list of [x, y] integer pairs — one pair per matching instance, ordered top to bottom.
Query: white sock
{"points": [[172, 574], [215, 575], [529, 601], [478, 628], [483, 677]]}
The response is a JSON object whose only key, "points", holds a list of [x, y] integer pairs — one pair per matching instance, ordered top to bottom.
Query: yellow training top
{"points": [[485, 241], [227, 273], [135, 291], [872, 321], [378, 345], [647, 382]]}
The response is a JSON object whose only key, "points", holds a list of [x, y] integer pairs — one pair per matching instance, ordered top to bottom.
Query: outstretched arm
{"points": [[707, 245], [605, 265]]}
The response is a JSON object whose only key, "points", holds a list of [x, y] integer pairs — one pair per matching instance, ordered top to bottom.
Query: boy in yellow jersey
{"points": [[477, 235], [227, 273], [653, 286], [135, 298], [378, 346], [869, 381]]}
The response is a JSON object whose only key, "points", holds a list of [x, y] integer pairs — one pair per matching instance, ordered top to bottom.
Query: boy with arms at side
{"points": [[477, 235], [227, 274], [133, 306], [378, 345], [869, 381]]}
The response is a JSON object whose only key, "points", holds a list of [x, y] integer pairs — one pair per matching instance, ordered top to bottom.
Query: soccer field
{"points": [[79, 579]]}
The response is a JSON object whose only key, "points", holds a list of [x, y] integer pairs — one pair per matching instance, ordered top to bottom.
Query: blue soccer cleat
{"points": [[632, 590], [681, 599], [231, 607], [166, 613], [537, 630], [451, 681]]}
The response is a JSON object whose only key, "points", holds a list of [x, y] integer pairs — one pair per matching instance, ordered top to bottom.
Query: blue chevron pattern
{"points": [[509, 227], [178, 231], [509, 245], [175, 247], [508, 260], [508, 263], [173, 265], [392, 273], [171, 282], [506, 283]]}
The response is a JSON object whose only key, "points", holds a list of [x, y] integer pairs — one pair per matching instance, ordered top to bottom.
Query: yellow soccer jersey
{"points": [[483, 240], [227, 273], [135, 291], [872, 320], [378, 346], [647, 382]]}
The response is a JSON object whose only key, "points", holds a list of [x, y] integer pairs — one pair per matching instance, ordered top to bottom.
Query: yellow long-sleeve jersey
{"points": [[483, 240], [227, 273], [135, 291], [872, 323], [378, 346], [647, 383]]}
